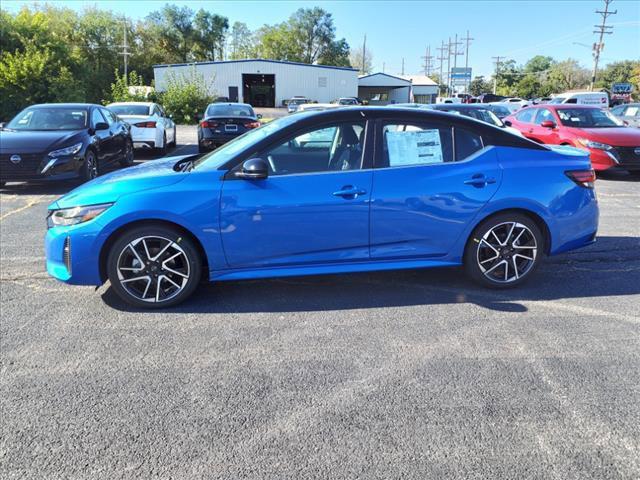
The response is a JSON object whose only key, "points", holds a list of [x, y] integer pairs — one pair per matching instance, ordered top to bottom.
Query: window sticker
{"points": [[414, 147]]}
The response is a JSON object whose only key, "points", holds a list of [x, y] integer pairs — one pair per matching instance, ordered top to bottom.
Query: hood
{"points": [[615, 136], [16, 141], [110, 187]]}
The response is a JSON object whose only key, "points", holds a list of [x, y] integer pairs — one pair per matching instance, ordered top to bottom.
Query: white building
{"points": [[265, 83], [383, 89]]}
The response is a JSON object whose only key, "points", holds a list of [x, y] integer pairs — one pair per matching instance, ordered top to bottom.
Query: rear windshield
{"points": [[129, 109], [219, 110], [482, 114], [54, 118], [587, 118]]}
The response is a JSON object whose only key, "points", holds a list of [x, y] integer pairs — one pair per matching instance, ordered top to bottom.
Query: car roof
{"points": [[229, 103], [147, 104], [65, 105], [470, 106], [561, 106]]}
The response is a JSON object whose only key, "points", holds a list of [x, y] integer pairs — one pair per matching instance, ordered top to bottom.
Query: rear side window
{"points": [[572, 100], [525, 115], [544, 115], [467, 143], [415, 144]]}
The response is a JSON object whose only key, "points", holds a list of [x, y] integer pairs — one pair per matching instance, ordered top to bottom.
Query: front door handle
{"points": [[479, 180], [349, 191]]}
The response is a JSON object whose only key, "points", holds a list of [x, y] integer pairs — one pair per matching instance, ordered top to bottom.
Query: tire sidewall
{"points": [[127, 160], [86, 175], [470, 254], [193, 256]]}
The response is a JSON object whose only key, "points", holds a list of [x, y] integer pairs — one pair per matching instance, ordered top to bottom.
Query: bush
{"points": [[121, 91], [185, 96]]}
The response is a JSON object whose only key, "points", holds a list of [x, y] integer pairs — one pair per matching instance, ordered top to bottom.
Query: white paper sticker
{"points": [[414, 148]]}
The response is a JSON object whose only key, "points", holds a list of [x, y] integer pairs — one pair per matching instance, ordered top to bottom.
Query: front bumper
{"points": [[80, 265]]}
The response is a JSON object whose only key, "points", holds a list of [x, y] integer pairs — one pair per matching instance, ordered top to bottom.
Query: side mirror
{"points": [[259, 116], [624, 121], [507, 123], [2, 124], [548, 124], [101, 126], [253, 169]]}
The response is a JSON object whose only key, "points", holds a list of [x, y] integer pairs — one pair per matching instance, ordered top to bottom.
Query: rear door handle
{"points": [[479, 180], [349, 191]]}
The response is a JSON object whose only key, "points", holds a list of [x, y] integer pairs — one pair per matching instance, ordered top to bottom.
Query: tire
{"points": [[175, 139], [202, 149], [162, 151], [127, 159], [90, 168], [2, 184], [508, 256], [166, 280]]}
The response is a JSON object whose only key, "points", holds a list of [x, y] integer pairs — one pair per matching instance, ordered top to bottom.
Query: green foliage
{"points": [[241, 42], [355, 61], [619, 72], [479, 85], [120, 91], [185, 96]]}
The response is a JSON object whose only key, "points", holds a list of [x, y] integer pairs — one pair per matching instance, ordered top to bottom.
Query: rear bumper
{"points": [[209, 140]]}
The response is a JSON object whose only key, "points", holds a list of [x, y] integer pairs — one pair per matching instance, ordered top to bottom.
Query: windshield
{"points": [[557, 100], [298, 101], [347, 101], [129, 109], [219, 110], [501, 112], [483, 115], [49, 118], [587, 118], [222, 155]]}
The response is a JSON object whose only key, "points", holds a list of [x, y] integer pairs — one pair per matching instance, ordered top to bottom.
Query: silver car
{"points": [[628, 112]]}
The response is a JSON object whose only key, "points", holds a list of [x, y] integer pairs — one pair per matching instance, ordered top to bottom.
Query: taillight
{"points": [[208, 124], [252, 124], [145, 125], [584, 178]]}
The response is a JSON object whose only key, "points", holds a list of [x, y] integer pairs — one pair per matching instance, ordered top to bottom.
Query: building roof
{"points": [[255, 60], [380, 79], [419, 80]]}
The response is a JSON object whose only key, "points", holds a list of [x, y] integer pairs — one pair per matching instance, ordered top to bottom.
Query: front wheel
{"points": [[127, 157], [89, 169], [504, 250], [154, 267]]}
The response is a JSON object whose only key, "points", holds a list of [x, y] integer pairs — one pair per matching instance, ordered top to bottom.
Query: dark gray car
{"points": [[628, 112]]}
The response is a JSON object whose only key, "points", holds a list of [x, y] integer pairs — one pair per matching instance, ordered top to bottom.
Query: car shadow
{"points": [[618, 176], [592, 272]]}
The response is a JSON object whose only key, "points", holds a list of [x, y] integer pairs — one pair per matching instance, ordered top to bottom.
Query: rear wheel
{"points": [[175, 138], [162, 151], [504, 250], [154, 267]]}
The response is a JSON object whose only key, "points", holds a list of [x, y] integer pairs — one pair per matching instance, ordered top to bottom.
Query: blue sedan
{"points": [[346, 190]]}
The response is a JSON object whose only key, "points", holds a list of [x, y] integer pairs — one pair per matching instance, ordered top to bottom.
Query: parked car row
{"points": [[61, 141]]}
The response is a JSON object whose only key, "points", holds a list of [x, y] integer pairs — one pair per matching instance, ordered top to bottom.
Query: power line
{"points": [[599, 46], [441, 49], [455, 53], [427, 57]]}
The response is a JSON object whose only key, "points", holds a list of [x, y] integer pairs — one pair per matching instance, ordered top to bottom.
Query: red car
{"points": [[610, 143]]}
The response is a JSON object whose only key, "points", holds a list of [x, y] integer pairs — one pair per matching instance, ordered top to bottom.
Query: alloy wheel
{"points": [[92, 166], [507, 252], [153, 269]]}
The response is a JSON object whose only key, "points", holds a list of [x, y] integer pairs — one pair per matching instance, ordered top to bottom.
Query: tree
{"points": [[173, 27], [210, 31], [313, 31], [241, 42], [276, 42], [336, 54], [355, 60], [539, 63], [617, 72], [567, 75], [508, 77], [479, 85], [186, 95]]}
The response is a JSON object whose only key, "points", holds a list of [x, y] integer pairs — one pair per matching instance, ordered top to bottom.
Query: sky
{"points": [[403, 29]]}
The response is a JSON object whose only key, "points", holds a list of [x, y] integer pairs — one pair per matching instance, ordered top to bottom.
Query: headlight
{"points": [[590, 144], [72, 150], [75, 215]]}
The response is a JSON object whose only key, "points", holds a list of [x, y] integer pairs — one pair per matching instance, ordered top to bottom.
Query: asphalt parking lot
{"points": [[410, 374]]}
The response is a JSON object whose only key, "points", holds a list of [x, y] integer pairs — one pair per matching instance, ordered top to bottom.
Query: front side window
{"points": [[526, 115], [544, 115], [110, 116], [96, 117], [588, 118], [415, 144], [330, 148]]}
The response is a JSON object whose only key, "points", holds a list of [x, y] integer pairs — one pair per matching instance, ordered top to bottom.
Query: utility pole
{"points": [[601, 30], [467, 39], [449, 44], [442, 49], [125, 53], [364, 53], [455, 54], [427, 61], [383, 65], [402, 66], [495, 77]]}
